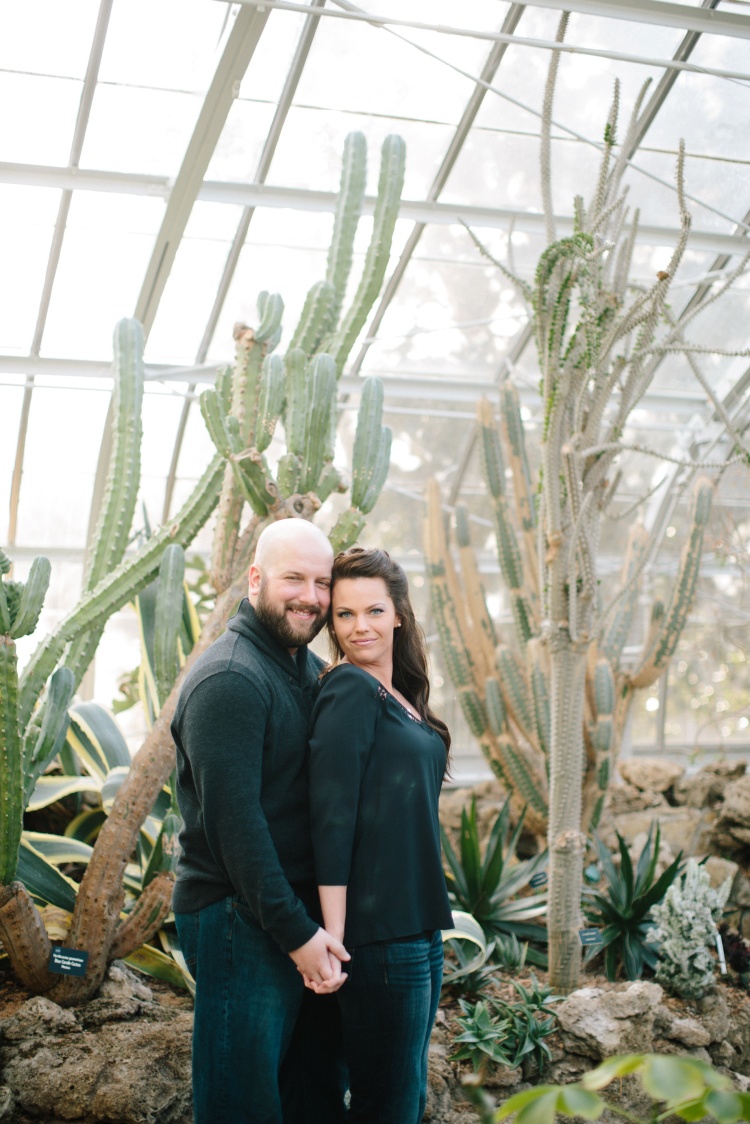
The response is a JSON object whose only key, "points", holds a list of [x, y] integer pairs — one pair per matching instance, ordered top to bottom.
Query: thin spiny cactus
{"points": [[550, 716]]}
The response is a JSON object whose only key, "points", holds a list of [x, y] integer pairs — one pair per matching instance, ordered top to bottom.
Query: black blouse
{"points": [[375, 778]]}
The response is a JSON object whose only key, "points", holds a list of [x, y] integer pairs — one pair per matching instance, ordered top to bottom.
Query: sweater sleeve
{"points": [[226, 719], [343, 729]]}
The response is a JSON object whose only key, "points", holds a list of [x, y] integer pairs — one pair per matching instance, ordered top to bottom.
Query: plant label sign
{"points": [[539, 879], [590, 936], [67, 961]]}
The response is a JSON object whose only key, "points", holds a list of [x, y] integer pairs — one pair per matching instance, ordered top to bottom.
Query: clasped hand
{"points": [[320, 963]]}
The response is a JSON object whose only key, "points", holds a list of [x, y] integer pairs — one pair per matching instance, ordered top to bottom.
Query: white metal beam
{"points": [[225, 84], [301, 199]]}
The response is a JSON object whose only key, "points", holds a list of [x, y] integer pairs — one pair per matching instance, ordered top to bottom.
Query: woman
{"points": [[377, 760]]}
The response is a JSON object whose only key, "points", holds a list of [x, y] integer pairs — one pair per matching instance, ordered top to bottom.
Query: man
{"points": [[245, 888]]}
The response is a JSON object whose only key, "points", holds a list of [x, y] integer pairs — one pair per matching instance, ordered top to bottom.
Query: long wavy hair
{"points": [[409, 649]]}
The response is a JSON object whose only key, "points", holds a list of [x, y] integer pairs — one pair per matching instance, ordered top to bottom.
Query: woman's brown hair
{"points": [[409, 649]]}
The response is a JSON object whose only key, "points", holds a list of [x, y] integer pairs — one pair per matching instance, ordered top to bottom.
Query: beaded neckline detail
{"points": [[386, 695]]}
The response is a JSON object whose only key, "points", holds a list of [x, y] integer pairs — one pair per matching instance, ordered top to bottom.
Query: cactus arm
{"points": [[386, 211], [346, 219], [317, 318], [273, 376], [321, 409], [295, 417], [216, 419], [367, 438], [515, 448], [379, 471], [288, 474], [123, 478], [253, 480], [330, 481], [346, 529], [509, 554], [119, 587], [32, 598], [168, 618], [483, 638], [614, 638], [660, 650], [538, 671], [515, 690], [601, 736], [39, 752], [11, 763], [527, 781], [146, 917], [24, 938]]}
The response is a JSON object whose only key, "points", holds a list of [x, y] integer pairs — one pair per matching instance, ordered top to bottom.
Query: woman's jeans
{"points": [[388, 1006], [252, 1009]]}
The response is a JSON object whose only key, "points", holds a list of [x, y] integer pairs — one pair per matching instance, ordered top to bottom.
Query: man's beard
{"points": [[274, 618]]}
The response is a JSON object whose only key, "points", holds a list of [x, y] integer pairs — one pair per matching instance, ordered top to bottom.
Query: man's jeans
{"points": [[249, 995], [388, 1006]]}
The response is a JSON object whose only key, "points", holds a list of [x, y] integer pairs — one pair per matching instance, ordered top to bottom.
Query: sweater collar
{"points": [[247, 623]]}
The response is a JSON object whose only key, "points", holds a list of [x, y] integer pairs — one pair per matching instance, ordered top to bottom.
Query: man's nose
{"points": [[310, 593]]}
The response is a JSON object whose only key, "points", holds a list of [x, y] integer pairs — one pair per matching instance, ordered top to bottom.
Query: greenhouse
{"points": [[466, 283]]}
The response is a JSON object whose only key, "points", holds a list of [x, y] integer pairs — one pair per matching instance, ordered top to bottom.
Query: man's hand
{"points": [[319, 961]]}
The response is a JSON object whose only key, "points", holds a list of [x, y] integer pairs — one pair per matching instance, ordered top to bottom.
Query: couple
{"points": [[310, 849]]}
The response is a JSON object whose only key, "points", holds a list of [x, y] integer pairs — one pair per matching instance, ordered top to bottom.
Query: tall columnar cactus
{"points": [[241, 412], [550, 713]]}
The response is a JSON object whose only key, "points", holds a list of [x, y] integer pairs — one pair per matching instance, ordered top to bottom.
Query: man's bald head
{"points": [[287, 536], [289, 583]]}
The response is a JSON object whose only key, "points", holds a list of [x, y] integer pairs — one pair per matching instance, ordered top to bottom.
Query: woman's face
{"points": [[364, 618]]}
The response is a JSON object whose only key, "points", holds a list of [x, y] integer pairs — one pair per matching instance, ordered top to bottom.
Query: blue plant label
{"points": [[539, 879], [590, 936], [67, 961]]}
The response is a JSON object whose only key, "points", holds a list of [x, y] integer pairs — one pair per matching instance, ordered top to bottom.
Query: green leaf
{"points": [[97, 739], [48, 790], [86, 825], [58, 848], [44, 881], [156, 964], [672, 1078], [576, 1101], [726, 1105], [541, 1111]]}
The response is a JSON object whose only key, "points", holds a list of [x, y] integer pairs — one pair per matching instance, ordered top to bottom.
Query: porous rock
{"points": [[650, 774], [707, 787], [627, 798], [734, 814], [681, 828], [599, 1023], [114, 1059]]}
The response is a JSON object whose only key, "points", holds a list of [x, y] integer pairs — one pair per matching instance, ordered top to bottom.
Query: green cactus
{"points": [[168, 619]]}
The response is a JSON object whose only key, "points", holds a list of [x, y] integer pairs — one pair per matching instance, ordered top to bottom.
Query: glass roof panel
{"points": [[62, 50], [178, 53], [267, 72], [383, 75], [132, 129], [39, 130], [320, 135], [241, 142], [27, 216], [102, 230], [188, 298], [162, 407], [62, 448]]}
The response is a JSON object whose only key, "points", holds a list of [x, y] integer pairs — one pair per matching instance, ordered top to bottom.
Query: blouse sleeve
{"points": [[343, 729]]}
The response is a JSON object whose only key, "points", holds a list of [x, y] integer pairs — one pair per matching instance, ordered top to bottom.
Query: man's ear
{"points": [[253, 580]]}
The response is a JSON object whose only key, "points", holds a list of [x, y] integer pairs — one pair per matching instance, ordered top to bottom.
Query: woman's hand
{"points": [[319, 959], [336, 980]]}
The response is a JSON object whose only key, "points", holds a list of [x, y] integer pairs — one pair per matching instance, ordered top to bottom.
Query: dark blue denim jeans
{"points": [[388, 1006], [251, 1009]]}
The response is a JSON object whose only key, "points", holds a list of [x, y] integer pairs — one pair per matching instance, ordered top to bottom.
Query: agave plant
{"points": [[487, 887], [622, 909]]}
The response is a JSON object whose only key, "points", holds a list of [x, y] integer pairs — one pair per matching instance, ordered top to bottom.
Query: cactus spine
{"points": [[560, 694]]}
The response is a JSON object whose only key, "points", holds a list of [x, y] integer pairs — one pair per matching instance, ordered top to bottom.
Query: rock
{"points": [[650, 774], [707, 787], [627, 798], [734, 813], [681, 828], [720, 869], [121, 983], [714, 1015], [36, 1017], [599, 1023], [689, 1031], [738, 1035], [88, 1064], [503, 1077], [6, 1103]]}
